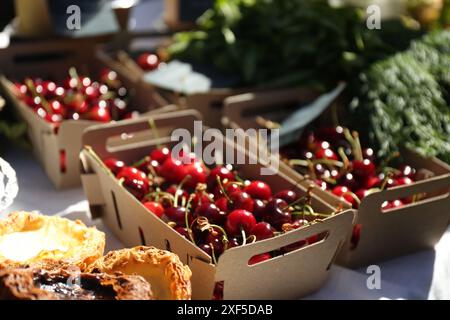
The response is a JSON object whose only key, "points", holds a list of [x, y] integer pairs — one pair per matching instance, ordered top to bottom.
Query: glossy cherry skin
{"points": [[148, 61], [100, 114], [160, 154], [326, 154], [114, 165], [363, 169], [173, 170], [408, 171], [221, 172], [197, 174], [135, 181], [349, 181], [404, 181], [321, 184], [173, 190], [259, 190], [343, 192], [288, 196], [201, 198], [241, 200], [223, 204], [392, 204], [156, 208], [259, 209], [211, 212], [277, 213], [177, 215], [239, 220], [262, 230], [183, 231], [215, 239], [233, 242], [206, 248], [259, 258]]}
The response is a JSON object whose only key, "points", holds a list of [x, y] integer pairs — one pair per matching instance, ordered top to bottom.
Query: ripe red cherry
{"points": [[148, 61], [107, 75], [77, 103], [56, 107], [99, 113], [332, 134], [368, 153], [160, 154], [326, 154], [114, 165], [363, 169], [173, 170], [220, 171], [408, 171], [197, 174], [135, 181], [349, 181], [404, 181], [373, 182], [322, 184], [173, 190], [259, 190], [343, 192], [362, 193], [287, 195], [201, 198], [241, 200], [222, 204], [392, 204], [155, 207], [259, 209], [211, 212], [277, 213], [177, 215], [240, 220], [262, 230], [183, 231], [214, 239], [233, 242], [206, 248], [259, 258]]}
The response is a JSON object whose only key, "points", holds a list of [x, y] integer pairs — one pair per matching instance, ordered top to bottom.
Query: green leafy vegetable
{"points": [[282, 43], [404, 101]]}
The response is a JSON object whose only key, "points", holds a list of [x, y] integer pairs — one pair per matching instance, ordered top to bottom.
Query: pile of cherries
{"points": [[77, 97], [333, 157], [213, 208]]}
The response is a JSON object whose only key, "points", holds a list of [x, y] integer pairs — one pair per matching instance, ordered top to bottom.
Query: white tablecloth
{"points": [[424, 275]]}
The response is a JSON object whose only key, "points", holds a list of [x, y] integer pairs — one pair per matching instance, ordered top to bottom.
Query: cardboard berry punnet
{"points": [[58, 150], [383, 234], [291, 275]]}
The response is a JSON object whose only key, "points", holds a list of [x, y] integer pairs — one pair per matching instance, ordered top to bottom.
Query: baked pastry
{"points": [[32, 239], [169, 278], [40, 284]]}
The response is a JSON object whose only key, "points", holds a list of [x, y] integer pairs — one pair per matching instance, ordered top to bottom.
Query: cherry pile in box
{"points": [[77, 97], [334, 158], [214, 208]]}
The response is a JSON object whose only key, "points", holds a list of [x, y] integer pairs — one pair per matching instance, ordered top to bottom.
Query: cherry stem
{"points": [[74, 74], [29, 83], [153, 128], [358, 149], [344, 158], [141, 162], [102, 165], [386, 179], [222, 189], [177, 192], [353, 195], [314, 214], [188, 227], [224, 234], [244, 237], [213, 254]]}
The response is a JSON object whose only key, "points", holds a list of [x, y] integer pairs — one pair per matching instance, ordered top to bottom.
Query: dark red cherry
{"points": [[148, 61], [100, 112], [331, 134], [160, 154], [326, 154], [369, 154], [114, 165], [363, 169], [173, 170], [220, 171], [408, 171], [197, 174], [135, 181], [349, 181], [404, 181], [173, 190], [259, 190], [344, 192], [287, 195], [241, 200], [223, 204], [392, 204], [156, 208], [259, 209], [211, 212], [277, 213], [177, 215], [240, 220], [262, 230], [183, 231], [215, 240], [233, 242], [206, 248], [259, 258]]}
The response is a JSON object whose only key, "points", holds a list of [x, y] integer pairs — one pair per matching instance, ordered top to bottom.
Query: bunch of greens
{"points": [[276, 43], [404, 101], [10, 129]]}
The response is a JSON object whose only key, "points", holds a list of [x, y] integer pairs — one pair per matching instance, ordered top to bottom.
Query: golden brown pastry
{"points": [[29, 238], [169, 278], [39, 284]]}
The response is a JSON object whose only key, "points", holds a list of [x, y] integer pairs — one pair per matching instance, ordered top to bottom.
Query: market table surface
{"points": [[424, 275]]}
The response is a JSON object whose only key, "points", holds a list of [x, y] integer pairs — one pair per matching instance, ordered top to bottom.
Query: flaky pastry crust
{"points": [[82, 245], [168, 277], [39, 284]]}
